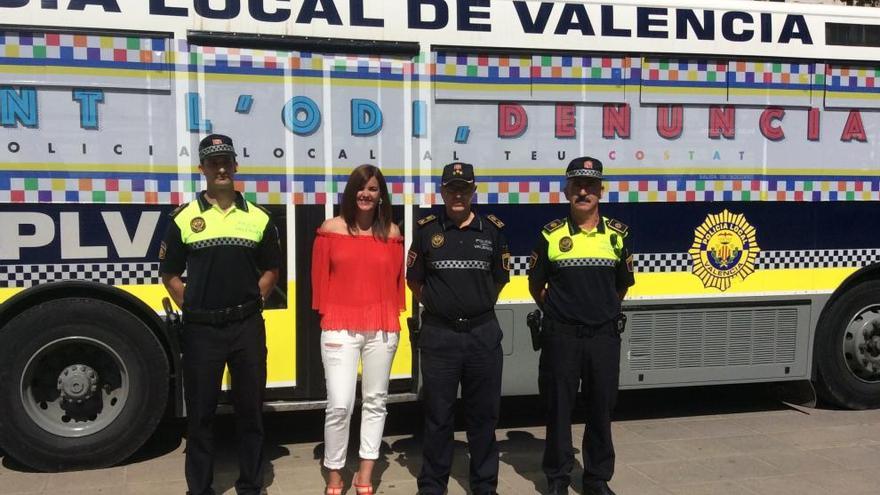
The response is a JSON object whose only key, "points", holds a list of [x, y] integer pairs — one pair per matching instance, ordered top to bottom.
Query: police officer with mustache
{"points": [[579, 273]]}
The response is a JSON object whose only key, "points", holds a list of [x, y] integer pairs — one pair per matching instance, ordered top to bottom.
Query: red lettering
{"points": [[512, 120], [565, 121], [615, 121], [670, 121], [722, 122], [765, 123], [813, 124], [854, 128]]}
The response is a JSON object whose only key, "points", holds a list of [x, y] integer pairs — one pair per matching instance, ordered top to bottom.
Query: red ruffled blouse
{"points": [[357, 282]]}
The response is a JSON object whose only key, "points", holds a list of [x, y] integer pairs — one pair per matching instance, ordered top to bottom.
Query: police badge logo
{"points": [[197, 224], [437, 240], [565, 244], [163, 248], [725, 248], [411, 258], [505, 261]]}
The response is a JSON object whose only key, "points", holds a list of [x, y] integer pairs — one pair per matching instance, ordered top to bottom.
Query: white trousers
{"points": [[341, 350]]}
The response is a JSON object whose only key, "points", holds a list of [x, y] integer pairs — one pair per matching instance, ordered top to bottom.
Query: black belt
{"points": [[223, 315], [458, 324], [580, 331]]}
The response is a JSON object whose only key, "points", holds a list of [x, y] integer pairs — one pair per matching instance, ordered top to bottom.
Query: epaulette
{"points": [[177, 210], [495, 220], [425, 221], [555, 224], [617, 226]]}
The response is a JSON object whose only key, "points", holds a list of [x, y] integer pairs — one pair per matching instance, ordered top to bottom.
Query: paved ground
{"points": [[714, 440]]}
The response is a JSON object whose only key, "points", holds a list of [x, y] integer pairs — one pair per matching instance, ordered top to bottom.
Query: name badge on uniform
{"points": [[197, 224], [437, 240], [565, 244]]}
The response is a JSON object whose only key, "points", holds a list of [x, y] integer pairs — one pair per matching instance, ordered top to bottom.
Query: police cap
{"points": [[215, 144], [584, 166], [457, 171]]}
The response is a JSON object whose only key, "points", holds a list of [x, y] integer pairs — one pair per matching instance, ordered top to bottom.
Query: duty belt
{"points": [[223, 315], [458, 324], [580, 331]]}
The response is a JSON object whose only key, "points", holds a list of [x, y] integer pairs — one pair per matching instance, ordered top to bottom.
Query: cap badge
{"points": [[216, 141], [588, 164], [456, 169], [197, 224], [437, 241], [565, 244]]}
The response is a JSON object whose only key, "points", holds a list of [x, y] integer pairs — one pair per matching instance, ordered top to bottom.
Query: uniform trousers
{"points": [[206, 350], [341, 351], [472, 358], [589, 359]]}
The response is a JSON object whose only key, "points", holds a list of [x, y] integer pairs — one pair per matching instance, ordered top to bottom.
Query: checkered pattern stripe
{"points": [[76, 48], [210, 57], [368, 64], [494, 68], [604, 69], [659, 70], [771, 73], [844, 77], [169, 189], [223, 241], [823, 258], [581, 262], [662, 262], [460, 265], [519, 265], [23, 276]]}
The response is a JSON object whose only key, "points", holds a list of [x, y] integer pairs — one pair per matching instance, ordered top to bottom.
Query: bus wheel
{"points": [[847, 349], [83, 383]]}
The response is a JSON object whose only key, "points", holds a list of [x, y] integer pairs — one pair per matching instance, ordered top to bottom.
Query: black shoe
{"points": [[597, 487], [557, 489]]}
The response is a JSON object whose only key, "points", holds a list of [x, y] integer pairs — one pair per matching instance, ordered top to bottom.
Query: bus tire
{"points": [[847, 349], [83, 384]]}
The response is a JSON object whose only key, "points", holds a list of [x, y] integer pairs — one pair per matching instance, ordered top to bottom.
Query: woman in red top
{"points": [[357, 287]]}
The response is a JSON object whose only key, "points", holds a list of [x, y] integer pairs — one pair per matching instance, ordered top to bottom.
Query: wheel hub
{"points": [[861, 345], [77, 383]]}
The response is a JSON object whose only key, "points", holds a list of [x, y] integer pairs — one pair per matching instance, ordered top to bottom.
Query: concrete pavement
{"points": [[711, 440]]}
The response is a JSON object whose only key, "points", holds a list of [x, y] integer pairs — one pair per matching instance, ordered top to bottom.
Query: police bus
{"points": [[740, 143]]}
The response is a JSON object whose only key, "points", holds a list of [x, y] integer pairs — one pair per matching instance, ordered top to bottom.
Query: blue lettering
{"points": [[12, 4], [50, 4], [107, 5], [158, 7], [230, 11], [258, 12], [310, 12], [466, 15], [687, 17], [358, 18], [415, 20], [567, 20], [646, 20], [536, 25], [795, 27], [608, 28], [728, 28], [766, 28], [88, 106], [18, 107], [194, 115], [301, 116], [366, 117], [420, 119]]}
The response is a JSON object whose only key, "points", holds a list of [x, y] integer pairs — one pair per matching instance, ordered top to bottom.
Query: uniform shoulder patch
{"points": [[177, 210], [495, 220], [425, 221], [554, 225], [617, 226]]}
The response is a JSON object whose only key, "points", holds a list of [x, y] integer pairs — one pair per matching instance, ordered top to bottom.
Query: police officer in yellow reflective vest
{"points": [[229, 249], [579, 272]]}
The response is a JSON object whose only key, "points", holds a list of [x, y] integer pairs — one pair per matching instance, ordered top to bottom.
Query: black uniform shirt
{"points": [[224, 253], [459, 268], [583, 271]]}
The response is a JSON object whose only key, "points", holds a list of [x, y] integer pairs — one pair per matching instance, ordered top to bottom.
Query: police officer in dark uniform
{"points": [[230, 252], [457, 265], [579, 273]]}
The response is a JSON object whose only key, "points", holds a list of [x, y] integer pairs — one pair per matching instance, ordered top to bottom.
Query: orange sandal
{"points": [[363, 489], [334, 490]]}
